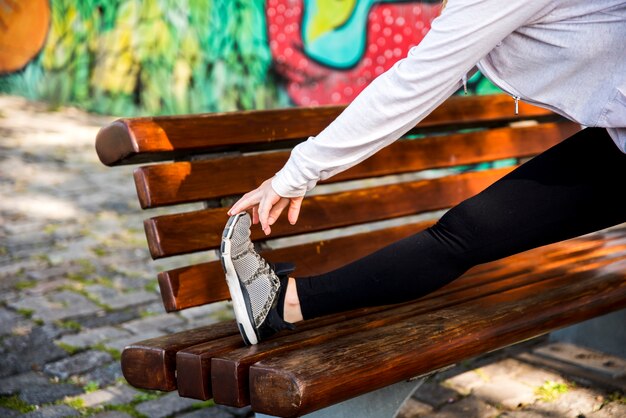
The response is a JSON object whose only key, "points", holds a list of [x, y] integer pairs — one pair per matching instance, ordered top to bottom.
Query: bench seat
{"points": [[214, 158]]}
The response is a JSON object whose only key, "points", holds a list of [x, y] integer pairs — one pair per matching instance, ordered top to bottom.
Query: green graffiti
{"points": [[136, 57]]}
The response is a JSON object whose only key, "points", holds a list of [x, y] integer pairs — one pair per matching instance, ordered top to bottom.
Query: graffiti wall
{"points": [[135, 57]]}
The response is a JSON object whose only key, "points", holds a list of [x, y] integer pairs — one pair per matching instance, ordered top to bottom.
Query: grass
{"points": [[24, 284], [153, 286], [28, 313], [69, 324], [70, 349], [112, 351], [91, 386], [551, 390], [15, 403]]}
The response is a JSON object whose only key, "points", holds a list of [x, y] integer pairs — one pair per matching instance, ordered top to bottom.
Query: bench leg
{"points": [[606, 334], [381, 403]]}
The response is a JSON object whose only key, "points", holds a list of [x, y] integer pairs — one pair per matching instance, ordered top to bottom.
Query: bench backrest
{"points": [[214, 158]]}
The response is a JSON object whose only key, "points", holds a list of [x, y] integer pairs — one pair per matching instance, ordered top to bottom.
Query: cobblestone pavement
{"points": [[77, 284]]}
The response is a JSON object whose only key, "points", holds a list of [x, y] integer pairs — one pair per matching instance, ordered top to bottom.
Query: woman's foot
{"points": [[255, 285]]}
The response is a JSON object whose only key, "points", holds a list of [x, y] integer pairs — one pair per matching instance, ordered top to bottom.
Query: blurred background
{"points": [[149, 57]]}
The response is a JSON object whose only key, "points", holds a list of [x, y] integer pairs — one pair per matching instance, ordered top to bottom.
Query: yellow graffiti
{"points": [[328, 15]]}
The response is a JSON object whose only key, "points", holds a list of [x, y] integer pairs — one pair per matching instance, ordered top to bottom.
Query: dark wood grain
{"points": [[132, 141], [182, 182], [189, 232], [372, 359], [151, 364]]}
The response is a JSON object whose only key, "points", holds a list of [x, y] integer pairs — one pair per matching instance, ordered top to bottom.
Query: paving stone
{"points": [[23, 227], [15, 268], [48, 273], [45, 287], [8, 296], [119, 300], [58, 306], [204, 311], [103, 318], [10, 321], [156, 322], [197, 323], [93, 336], [123, 342], [29, 352], [80, 363], [526, 373], [103, 376], [464, 383], [14, 384], [505, 391], [51, 392], [435, 394], [114, 395], [573, 403], [165, 405], [468, 407], [413, 408], [612, 410], [55, 411], [244, 412], [9, 413], [112, 414], [521, 414]]}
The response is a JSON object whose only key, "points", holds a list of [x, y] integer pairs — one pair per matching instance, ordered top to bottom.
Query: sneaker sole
{"points": [[243, 314]]}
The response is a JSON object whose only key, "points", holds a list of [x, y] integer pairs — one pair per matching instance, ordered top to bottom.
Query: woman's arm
{"points": [[397, 100]]}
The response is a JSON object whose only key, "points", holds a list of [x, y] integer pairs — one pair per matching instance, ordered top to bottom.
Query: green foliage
{"points": [[133, 57], [24, 284], [28, 313], [69, 324], [70, 349], [112, 351], [91, 386], [551, 390], [15, 403]]}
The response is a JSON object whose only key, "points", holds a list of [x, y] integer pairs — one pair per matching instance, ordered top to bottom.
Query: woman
{"points": [[566, 55]]}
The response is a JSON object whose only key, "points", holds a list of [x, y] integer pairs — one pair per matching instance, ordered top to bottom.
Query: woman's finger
{"points": [[247, 200], [294, 209], [276, 210], [264, 212], [255, 215]]}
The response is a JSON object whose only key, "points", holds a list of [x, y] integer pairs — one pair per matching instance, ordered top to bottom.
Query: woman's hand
{"points": [[267, 206]]}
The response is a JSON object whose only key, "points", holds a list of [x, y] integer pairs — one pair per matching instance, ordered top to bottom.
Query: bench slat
{"points": [[137, 140], [182, 182], [189, 232], [204, 283], [198, 284], [414, 346], [151, 364], [230, 371]]}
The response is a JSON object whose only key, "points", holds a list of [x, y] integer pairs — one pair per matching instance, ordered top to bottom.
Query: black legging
{"points": [[575, 187]]}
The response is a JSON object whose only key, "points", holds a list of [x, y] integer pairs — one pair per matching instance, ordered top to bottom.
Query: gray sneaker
{"points": [[255, 285]]}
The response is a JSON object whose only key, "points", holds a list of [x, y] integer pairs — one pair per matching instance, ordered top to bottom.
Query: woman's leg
{"points": [[573, 188]]}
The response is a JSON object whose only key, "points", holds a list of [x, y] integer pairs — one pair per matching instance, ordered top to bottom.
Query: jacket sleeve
{"points": [[404, 95]]}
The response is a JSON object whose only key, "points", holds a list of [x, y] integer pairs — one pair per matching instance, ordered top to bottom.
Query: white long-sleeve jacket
{"points": [[566, 55]]}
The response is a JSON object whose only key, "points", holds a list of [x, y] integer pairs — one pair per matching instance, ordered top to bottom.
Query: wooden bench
{"points": [[213, 158]]}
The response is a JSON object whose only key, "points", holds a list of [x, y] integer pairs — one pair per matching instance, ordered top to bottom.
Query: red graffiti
{"points": [[391, 30]]}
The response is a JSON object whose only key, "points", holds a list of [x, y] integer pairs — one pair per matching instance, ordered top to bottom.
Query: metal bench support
{"points": [[605, 333], [381, 403]]}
